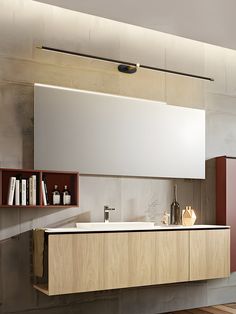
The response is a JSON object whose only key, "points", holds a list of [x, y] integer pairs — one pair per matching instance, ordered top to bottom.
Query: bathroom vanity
{"points": [[80, 260]]}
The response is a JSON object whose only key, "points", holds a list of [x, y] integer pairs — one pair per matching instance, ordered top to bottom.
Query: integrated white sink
{"points": [[96, 226]]}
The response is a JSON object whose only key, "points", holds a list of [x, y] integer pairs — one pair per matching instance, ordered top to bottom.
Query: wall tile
{"points": [[144, 46], [185, 55], [215, 67], [231, 72], [143, 84], [185, 92], [220, 103], [220, 134], [104, 191], [145, 199], [221, 295]]}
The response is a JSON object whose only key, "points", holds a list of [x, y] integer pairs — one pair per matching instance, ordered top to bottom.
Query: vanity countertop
{"points": [[155, 228]]}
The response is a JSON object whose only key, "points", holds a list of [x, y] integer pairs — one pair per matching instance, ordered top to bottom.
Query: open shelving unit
{"points": [[71, 179]]}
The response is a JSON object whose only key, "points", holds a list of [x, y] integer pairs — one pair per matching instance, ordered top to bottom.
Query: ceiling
{"points": [[211, 21]]}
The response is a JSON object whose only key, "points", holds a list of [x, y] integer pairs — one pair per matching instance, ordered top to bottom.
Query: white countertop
{"points": [[155, 228]]}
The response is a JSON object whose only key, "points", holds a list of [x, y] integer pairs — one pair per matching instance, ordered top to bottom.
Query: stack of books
{"points": [[22, 191]]}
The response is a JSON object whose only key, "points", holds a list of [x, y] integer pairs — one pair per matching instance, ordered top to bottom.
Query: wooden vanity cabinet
{"points": [[80, 262]]}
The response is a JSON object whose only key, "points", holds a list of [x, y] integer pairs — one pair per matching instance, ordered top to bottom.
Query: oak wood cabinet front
{"points": [[209, 254], [81, 262], [89, 262]]}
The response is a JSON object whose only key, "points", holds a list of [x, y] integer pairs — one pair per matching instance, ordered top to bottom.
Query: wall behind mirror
{"points": [[103, 134]]}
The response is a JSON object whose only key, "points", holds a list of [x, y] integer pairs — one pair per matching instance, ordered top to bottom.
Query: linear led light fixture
{"points": [[124, 66]]}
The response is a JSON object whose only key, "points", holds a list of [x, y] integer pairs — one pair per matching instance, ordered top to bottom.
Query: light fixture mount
{"points": [[126, 67]]}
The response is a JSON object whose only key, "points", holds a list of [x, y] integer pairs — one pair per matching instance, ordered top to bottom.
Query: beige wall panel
{"points": [[134, 42], [185, 55], [73, 62], [215, 66], [20, 70], [231, 72], [79, 73], [143, 84], [184, 91], [221, 103], [16, 126], [221, 129], [208, 194], [209, 254], [172, 256]]}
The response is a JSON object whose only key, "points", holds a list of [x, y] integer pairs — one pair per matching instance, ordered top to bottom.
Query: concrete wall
{"points": [[24, 24]]}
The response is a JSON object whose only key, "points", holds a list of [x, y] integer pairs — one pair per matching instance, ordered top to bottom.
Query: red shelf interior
{"points": [[8, 173], [62, 179]]}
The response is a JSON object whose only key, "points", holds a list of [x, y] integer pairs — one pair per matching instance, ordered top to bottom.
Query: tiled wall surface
{"points": [[25, 24]]}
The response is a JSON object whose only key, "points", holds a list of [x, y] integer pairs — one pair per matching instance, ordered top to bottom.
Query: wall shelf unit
{"points": [[51, 177]]}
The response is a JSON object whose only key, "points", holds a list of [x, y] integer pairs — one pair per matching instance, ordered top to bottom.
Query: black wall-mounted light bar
{"points": [[124, 66]]}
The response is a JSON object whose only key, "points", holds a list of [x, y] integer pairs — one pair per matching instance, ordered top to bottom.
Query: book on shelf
{"points": [[11, 190], [32, 190], [46, 190], [27, 191], [17, 192], [23, 192], [44, 194]]}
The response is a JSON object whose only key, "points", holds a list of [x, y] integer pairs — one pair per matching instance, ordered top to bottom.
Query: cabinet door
{"points": [[209, 254], [142, 256], [172, 256], [129, 259], [115, 260], [75, 263]]}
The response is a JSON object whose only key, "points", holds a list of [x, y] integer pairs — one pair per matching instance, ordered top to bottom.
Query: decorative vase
{"points": [[189, 216]]}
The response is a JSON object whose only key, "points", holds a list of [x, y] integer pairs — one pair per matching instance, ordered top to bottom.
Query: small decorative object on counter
{"points": [[56, 197], [66, 197], [175, 211], [189, 216], [165, 218]]}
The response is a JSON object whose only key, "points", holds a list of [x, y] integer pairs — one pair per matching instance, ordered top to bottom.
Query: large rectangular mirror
{"points": [[105, 134]]}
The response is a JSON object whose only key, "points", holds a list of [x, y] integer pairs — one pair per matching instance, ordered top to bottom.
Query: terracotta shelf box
{"points": [[51, 177]]}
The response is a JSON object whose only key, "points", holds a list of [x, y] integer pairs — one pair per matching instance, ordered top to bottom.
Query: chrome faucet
{"points": [[107, 209]]}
